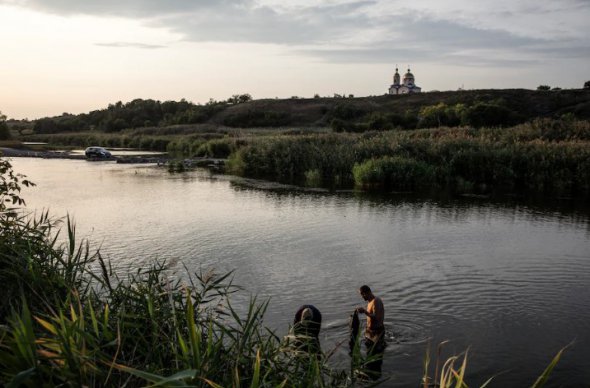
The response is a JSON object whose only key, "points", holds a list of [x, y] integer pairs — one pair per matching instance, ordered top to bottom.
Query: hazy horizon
{"points": [[70, 56]]}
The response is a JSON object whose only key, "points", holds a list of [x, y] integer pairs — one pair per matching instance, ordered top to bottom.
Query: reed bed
{"points": [[545, 157], [69, 319]]}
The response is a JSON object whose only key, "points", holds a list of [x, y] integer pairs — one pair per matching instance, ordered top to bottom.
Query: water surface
{"points": [[506, 279]]}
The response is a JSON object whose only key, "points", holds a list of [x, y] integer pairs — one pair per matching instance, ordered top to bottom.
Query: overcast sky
{"points": [[76, 55]]}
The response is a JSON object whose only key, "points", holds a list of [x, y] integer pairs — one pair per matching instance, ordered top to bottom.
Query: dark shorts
{"points": [[375, 347]]}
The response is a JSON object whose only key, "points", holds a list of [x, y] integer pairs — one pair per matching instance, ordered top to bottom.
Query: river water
{"points": [[507, 280]]}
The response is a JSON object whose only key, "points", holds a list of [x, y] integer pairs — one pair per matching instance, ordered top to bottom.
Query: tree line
{"points": [[137, 113], [479, 114]]}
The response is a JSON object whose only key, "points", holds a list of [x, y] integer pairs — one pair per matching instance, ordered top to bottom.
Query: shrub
{"points": [[347, 111], [440, 115], [489, 115], [4, 131], [219, 148], [392, 173], [313, 178]]}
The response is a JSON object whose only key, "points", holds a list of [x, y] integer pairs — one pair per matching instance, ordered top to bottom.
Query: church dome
{"points": [[408, 75], [396, 77], [409, 79]]}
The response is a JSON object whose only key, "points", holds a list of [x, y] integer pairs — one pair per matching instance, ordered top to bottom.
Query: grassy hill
{"points": [[494, 107], [319, 111]]}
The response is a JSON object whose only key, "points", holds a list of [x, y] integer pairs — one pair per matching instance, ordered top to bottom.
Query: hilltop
{"points": [[492, 107], [319, 111]]}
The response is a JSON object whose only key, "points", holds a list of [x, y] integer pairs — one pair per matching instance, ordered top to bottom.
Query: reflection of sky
{"points": [[472, 272]]}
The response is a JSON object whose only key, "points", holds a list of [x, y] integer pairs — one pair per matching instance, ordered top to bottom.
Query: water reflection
{"points": [[506, 278]]}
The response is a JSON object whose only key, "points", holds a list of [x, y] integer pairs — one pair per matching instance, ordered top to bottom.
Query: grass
{"points": [[545, 157], [68, 318], [451, 372]]}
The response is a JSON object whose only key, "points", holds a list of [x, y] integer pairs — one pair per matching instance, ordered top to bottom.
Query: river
{"points": [[506, 279]]}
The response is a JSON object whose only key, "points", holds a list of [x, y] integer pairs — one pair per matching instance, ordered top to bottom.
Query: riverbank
{"points": [[26, 153], [544, 157], [216, 163]]}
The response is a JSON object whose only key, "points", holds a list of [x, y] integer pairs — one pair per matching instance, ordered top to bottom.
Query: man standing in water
{"points": [[374, 333]]}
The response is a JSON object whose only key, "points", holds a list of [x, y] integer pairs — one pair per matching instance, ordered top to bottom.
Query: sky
{"points": [[75, 56]]}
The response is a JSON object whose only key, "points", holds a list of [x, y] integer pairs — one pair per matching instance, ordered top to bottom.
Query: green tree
{"points": [[587, 85], [543, 87], [239, 98], [441, 115], [4, 131], [10, 186]]}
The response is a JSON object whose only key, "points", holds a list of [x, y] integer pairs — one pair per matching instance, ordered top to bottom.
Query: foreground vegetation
{"points": [[67, 318]]}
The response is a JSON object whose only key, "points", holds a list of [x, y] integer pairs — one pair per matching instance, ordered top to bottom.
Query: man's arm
{"points": [[362, 310], [378, 311]]}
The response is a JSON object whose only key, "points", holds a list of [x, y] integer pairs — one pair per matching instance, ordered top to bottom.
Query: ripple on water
{"points": [[405, 331]]}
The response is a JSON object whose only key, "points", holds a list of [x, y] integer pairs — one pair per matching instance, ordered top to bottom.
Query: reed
{"points": [[545, 157], [68, 318], [451, 371]]}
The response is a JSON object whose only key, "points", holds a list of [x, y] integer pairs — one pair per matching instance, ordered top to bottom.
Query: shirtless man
{"points": [[375, 312]]}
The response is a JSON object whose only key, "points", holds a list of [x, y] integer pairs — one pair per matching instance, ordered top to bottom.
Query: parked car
{"points": [[97, 152]]}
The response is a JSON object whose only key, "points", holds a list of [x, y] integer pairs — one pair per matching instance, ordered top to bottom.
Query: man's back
{"points": [[375, 318]]}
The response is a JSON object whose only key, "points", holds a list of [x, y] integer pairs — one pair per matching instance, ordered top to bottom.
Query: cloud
{"points": [[124, 8], [263, 24], [473, 32], [441, 41], [130, 45]]}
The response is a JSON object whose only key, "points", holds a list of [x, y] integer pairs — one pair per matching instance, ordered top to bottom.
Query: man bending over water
{"points": [[375, 330]]}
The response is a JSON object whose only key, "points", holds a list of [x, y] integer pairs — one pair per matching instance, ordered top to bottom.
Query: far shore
{"points": [[14, 152], [162, 159]]}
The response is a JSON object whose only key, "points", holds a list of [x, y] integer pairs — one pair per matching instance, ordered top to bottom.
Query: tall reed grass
{"points": [[543, 157], [68, 319], [451, 372]]}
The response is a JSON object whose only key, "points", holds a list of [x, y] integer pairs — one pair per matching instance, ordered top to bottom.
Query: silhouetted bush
{"points": [[490, 115], [257, 118], [392, 173]]}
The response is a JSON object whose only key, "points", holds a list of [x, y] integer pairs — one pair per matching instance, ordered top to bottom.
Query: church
{"points": [[407, 86]]}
